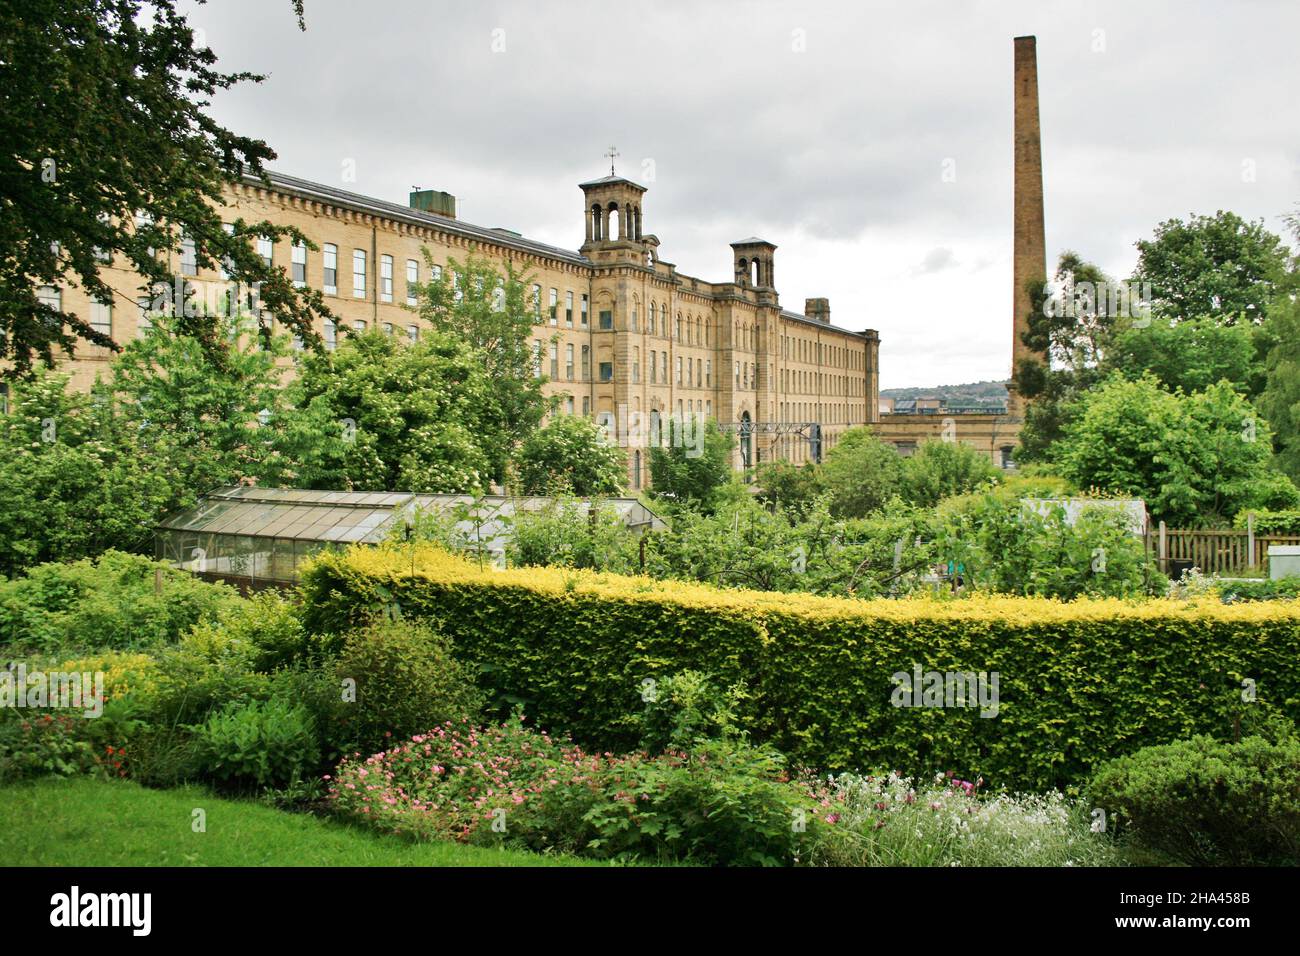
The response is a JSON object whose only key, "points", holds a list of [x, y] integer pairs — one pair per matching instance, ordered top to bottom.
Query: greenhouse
{"points": [[259, 537]]}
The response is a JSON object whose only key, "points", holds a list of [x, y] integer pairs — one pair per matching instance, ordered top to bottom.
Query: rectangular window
{"points": [[265, 249], [298, 257], [330, 257], [189, 258], [227, 264], [358, 273], [385, 278], [412, 280], [49, 296], [537, 303], [555, 305], [568, 309], [582, 314], [101, 317], [606, 319], [632, 321], [144, 322], [359, 325], [388, 329], [413, 333], [331, 335], [537, 358], [555, 360], [568, 362], [586, 364], [636, 364], [663, 366], [654, 370], [679, 370], [607, 371], [708, 372], [737, 375], [568, 404], [586, 404], [708, 408]]}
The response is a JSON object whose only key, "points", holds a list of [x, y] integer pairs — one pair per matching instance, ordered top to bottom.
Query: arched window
{"points": [[614, 222], [597, 225], [742, 270], [746, 438]]}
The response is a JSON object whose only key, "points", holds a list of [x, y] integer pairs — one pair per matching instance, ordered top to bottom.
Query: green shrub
{"points": [[1286, 522], [1005, 546], [1281, 589], [106, 603], [271, 625], [209, 669], [407, 681], [1075, 685], [685, 708], [269, 743], [725, 802], [1207, 803]]}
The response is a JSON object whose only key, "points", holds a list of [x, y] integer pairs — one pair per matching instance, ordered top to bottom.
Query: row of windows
{"points": [[553, 307], [820, 353], [803, 381]]}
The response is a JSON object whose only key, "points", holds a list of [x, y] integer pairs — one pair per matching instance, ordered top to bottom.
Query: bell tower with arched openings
{"points": [[612, 209], [754, 259]]}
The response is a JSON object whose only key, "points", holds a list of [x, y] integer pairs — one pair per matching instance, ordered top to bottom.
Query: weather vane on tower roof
{"points": [[612, 154]]}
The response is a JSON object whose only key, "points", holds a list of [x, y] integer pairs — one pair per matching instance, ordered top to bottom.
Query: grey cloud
{"points": [[842, 143]]}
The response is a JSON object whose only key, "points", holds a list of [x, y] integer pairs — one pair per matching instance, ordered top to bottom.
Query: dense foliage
{"points": [[111, 156], [570, 455], [1198, 457], [117, 601], [1075, 678], [1204, 802]]}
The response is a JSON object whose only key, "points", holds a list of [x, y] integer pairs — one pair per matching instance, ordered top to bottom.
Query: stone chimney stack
{"points": [[1029, 256], [818, 309]]}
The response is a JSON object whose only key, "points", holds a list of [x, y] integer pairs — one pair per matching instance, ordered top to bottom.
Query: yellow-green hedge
{"points": [[1079, 682]]}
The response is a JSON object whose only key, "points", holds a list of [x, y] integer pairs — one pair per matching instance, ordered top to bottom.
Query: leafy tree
{"points": [[110, 156], [1219, 266], [494, 315], [1072, 325], [1192, 354], [1280, 400], [198, 402], [396, 416], [570, 454], [1197, 458], [695, 466], [941, 469], [861, 474], [75, 479], [783, 484]]}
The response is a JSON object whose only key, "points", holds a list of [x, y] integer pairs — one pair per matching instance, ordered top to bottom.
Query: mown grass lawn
{"points": [[86, 822]]}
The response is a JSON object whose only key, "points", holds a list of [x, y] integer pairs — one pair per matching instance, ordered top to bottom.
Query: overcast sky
{"points": [[823, 127]]}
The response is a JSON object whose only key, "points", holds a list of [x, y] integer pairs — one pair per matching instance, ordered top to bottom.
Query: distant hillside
{"points": [[976, 393]]}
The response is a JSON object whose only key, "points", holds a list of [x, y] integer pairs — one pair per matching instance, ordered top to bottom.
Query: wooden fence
{"points": [[1229, 551]]}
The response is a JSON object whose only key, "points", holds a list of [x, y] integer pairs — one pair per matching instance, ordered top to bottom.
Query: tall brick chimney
{"points": [[1029, 256]]}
